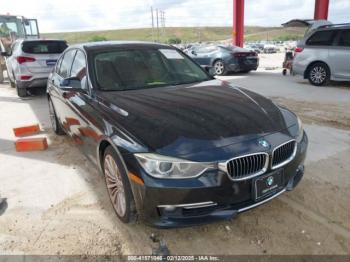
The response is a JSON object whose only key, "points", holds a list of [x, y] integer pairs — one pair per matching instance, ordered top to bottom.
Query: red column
{"points": [[321, 9], [238, 22]]}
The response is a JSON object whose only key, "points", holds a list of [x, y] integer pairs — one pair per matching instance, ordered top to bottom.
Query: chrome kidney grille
{"points": [[283, 154], [247, 166]]}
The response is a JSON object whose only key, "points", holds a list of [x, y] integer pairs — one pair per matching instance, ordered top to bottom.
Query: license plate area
{"points": [[51, 62], [268, 185]]}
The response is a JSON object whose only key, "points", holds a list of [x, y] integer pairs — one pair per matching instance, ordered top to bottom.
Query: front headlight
{"points": [[300, 131], [169, 167]]}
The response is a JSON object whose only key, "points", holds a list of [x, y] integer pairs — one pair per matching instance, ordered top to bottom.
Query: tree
{"points": [[97, 38], [174, 41]]}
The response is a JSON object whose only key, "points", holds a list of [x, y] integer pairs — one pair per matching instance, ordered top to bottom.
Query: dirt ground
{"points": [[58, 204]]}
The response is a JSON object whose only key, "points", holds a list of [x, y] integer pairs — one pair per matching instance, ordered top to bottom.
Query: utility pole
{"points": [[152, 24], [157, 25], [164, 36]]}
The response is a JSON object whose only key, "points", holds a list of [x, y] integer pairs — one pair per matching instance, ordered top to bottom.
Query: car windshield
{"points": [[44, 47], [119, 70]]}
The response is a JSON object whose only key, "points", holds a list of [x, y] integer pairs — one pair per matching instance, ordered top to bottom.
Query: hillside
{"points": [[186, 34]]}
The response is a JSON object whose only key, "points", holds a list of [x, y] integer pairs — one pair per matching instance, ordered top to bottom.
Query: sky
{"points": [[84, 15]]}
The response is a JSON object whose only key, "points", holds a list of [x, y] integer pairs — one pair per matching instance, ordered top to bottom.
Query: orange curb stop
{"points": [[26, 130], [31, 144]]}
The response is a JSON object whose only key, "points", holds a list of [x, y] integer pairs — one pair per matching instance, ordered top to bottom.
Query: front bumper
{"points": [[208, 198]]}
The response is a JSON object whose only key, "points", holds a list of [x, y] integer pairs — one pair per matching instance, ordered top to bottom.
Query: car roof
{"points": [[333, 27], [112, 44]]}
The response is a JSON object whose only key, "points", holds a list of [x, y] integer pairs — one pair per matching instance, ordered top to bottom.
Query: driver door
{"points": [[62, 71], [80, 112]]}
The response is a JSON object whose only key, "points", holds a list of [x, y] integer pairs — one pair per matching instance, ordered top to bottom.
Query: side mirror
{"points": [[193, 52]]}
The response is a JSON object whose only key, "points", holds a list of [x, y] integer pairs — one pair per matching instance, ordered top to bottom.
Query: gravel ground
{"points": [[57, 202]]}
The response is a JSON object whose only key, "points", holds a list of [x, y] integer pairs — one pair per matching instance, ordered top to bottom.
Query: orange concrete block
{"points": [[26, 130], [31, 144]]}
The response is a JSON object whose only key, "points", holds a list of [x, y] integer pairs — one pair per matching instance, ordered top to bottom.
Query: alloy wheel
{"points": [[219, 67], [318, 74], [115, 185]]}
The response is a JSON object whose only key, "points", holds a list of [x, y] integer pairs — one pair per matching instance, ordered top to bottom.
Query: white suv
{"points": [[324, 54], [31, 62]]}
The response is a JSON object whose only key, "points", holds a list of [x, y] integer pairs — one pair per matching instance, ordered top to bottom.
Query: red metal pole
{"points": [[321, 9], [238, 22]]}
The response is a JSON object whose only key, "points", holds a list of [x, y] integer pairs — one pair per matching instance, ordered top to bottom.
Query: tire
{"points": [[219, 67], [1, 72], [319, 74], [12, 83], [21, 92], [55, 124], [118, 186]]}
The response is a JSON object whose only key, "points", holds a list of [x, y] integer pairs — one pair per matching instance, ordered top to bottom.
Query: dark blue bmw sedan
{"points": [[224, 59], [176, 146]]}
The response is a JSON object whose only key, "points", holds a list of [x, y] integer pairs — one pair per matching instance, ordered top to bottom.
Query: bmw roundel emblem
{"points": [[264, 143], [269, 181]]}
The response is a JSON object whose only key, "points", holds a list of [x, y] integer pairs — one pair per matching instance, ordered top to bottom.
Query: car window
{"points": [[322, 38], [344, 39], [44, 47], [207, 49], [58, 64], [66, 64], [79, 65], [79, 68], [120, 70]]}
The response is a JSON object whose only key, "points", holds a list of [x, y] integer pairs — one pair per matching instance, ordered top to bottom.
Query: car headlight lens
{"points": [[300, 131], [169, 167]]}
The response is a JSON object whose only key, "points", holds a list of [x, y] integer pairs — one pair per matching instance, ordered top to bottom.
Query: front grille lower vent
{"points": [[283, 154], [247, 166]]}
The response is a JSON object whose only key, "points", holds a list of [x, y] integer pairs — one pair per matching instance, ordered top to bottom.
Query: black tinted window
{"points": [[321, 38], [344, 39], [44, 47], [66, 64], [144, 68]]}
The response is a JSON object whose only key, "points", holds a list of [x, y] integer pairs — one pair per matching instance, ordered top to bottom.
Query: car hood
{"points": [[179, 120]]}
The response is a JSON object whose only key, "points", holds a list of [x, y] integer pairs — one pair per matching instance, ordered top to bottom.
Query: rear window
{"points": [[322, 38], [44, 47]]}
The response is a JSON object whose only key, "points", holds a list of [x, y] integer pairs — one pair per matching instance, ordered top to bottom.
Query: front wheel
{"points": [[219, 67], [319, 74], [13, 83], [56, 126], [118, 186]]}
